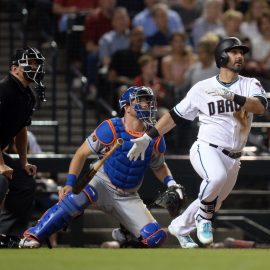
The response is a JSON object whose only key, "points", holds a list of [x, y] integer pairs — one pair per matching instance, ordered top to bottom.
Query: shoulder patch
{"points": [[105, 132]]}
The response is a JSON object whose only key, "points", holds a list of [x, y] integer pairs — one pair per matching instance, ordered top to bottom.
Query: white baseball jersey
{"points": [[222, 122], [225, 124]]}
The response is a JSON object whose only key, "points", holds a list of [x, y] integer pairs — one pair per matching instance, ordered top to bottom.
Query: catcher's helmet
{"points": [[225, 46], [32, 71], [132, 97]]}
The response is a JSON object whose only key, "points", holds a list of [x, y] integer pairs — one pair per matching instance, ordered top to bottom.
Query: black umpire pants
{"points": [[17, 208]]}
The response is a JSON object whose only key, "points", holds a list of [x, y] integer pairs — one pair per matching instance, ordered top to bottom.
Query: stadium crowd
{"points": [[165, 44]]}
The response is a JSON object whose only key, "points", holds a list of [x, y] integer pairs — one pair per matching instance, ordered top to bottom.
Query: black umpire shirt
{"points": [[16, 107]]}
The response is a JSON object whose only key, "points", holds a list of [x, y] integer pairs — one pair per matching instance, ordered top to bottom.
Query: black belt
{"points": [[228, 153]]}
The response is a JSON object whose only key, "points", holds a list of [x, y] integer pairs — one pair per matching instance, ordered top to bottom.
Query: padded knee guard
{"points": [[59, 215], [153, 235]]}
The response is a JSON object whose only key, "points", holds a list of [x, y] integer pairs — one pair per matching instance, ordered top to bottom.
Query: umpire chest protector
{"points": [[122, 172]]}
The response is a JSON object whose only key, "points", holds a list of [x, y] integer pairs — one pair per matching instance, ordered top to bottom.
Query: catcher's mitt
{"points": [[172, 199]]}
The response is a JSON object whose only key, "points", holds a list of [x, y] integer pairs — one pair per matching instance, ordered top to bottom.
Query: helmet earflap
{"points": [[224, 59]]}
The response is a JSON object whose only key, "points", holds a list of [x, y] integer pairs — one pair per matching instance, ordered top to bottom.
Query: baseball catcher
{"points": [[114, 185], [172, 199]]}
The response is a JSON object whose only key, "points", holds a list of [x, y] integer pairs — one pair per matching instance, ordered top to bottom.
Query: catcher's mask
{"points": [[226, 45], [133, 97]]}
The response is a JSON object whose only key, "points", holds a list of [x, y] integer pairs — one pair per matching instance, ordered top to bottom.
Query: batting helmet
{"points": [[225, 46], [32, 63], [132, 97]]}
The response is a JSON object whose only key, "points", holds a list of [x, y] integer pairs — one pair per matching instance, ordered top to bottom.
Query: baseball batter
{"points": [[225, 105], [114, 187]]}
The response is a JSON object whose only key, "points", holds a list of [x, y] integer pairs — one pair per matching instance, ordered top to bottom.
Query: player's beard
{"points": [[236, 66]]}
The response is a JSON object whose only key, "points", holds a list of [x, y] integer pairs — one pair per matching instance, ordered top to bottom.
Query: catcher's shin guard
{"points": [[61, 213], [153, 235]]}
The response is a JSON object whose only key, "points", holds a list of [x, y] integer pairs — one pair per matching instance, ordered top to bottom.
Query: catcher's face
{"points": [[236, 60], [143, 103]]}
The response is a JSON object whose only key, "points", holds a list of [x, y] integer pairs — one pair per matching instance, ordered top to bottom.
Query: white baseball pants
{"points": [[219, 173]]}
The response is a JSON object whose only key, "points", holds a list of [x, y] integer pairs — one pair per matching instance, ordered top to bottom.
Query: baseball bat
{"points": [[85, 179]]}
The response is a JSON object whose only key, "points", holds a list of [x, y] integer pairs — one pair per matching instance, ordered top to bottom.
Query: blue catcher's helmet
{"points": [[133, 96]]}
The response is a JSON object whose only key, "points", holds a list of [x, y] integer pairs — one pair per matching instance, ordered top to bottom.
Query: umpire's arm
{"points": [[21, 145]]}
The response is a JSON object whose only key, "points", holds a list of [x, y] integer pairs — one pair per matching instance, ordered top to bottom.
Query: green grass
{"points": [[134, 259]]}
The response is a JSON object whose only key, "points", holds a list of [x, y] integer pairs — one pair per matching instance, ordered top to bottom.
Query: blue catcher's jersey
{"points": [[122, 172]]}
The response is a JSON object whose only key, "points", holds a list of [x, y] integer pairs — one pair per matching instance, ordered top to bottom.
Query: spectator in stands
{"points": [[239, 5], [133, 7], [64, 8], [189, 11], [71, 13], [232, 20], [146, 21], [209, 21], [95, 26], [250, 26], [116, 39], [159, 41], [261, 46], [174, 65], [124, 66], [205, 67], [173, 69], [148, 77], [17, 106], [33, 146]]}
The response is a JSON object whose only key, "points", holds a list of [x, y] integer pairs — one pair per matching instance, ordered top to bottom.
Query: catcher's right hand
{"points": [[139, 147], [172, 199]]}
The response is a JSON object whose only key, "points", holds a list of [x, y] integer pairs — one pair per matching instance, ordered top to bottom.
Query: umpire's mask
{"points": [[31, 61]]}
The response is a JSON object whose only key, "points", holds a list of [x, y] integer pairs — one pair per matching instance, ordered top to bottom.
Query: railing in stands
{"points": [[50, 123]]}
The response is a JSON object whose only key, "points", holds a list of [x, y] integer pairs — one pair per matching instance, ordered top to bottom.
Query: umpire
{"points": [[17, 102]]}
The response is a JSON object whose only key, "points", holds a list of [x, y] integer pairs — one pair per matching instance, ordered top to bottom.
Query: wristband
{"points": [[240, 100], [153, 132], [71, 179], [169, 181]]}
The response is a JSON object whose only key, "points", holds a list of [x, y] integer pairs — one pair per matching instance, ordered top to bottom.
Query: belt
{"points": [[228, 153]]}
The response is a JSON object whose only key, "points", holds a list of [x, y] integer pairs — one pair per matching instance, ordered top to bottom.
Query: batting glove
{"points": [[221, 92], [139, 147]]}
